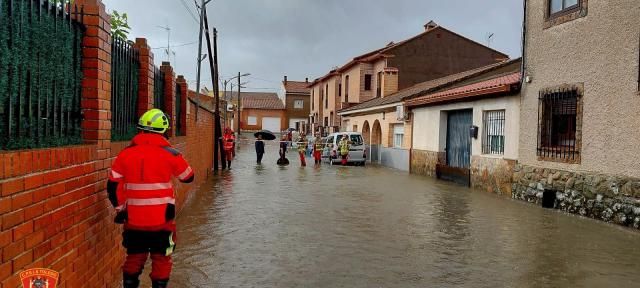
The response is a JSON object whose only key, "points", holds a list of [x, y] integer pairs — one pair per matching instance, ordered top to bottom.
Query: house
{"points": [[440, 53], [432, 54], [296, 96], [325, 98], [260, 111], [579, 123], [468, 132]]}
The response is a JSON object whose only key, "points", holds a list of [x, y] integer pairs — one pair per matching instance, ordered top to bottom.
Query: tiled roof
{"points": [[382, 52], [499, 84], [298, 87], [427, 87], [259, 100]]}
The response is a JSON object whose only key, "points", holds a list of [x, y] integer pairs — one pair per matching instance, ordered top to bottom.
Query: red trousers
{"points": [[344, 159], [303, 161], [140, 244], [160, 265]]}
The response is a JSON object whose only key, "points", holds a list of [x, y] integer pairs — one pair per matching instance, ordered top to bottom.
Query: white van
{"points": [[357, 150]]}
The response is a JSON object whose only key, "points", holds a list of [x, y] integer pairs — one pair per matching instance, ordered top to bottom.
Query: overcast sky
{"points": [[306, 38]]}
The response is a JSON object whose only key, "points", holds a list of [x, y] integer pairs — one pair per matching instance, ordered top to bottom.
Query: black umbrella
{"points": [[266, 135]]}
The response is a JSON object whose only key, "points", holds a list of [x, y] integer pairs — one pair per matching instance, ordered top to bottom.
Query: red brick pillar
{"points": [[145, 76], [96, 81], [184, 89], [169, 95]]}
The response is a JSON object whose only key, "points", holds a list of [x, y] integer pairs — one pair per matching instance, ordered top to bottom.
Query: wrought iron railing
{"points": [[40, 74], [158, 88], [124, 92], [178, 115], [558, 125]]}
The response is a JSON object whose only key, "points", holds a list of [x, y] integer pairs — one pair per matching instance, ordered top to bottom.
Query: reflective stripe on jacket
{"points": [[144, 171]]}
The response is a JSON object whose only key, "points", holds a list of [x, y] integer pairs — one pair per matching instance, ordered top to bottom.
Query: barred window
{"points": [[557, 125], [493, 132]]}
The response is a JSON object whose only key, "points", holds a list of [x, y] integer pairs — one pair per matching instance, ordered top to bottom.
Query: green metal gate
{"points": [[40, 74]]}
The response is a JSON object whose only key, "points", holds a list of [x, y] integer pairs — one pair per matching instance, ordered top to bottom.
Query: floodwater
{"points": [[267, 226]]}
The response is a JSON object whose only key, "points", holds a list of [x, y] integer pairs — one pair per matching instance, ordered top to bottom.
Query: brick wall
{"points": [[54, 211]]}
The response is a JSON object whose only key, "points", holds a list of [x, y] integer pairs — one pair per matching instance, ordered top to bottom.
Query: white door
{"points": [[271, 123]]}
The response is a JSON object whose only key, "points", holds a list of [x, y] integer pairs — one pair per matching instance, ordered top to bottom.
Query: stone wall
{"points": [[424, 162], [492, 174], [608, 198]]}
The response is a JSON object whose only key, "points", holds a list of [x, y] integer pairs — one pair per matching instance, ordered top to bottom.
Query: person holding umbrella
{"points": [[260, 136]]}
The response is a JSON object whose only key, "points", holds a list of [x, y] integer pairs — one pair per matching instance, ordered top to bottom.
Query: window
{"points": [[556, 6], [558, 12], [367, 82], [379, 85], [346, 89], [339, 90], [326, 96], [313, 99], [298, 104], [331, 118], [252, 120], [326, 121], [558, 122], [493, 132], [398, 135], [356, 140]]}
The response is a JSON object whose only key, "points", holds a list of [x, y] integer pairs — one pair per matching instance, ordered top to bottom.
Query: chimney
{"points": [[430, 25], [285, 79], [306, 80]]}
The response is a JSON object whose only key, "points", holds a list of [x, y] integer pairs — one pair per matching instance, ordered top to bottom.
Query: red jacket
{"points": [[228, 140], [143, 172]]}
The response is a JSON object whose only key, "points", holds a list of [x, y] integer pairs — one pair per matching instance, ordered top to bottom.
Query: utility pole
{"points": [[203, 8], [213, 64], [239, 102]]}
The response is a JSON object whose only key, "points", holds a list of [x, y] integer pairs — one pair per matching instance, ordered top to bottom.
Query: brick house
{"points": [[376, 84], [296, 96], [325, 100], [580, 101], [262, 111]]}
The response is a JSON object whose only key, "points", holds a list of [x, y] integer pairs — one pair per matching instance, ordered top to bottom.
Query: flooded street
{"points": [[267, 226]]}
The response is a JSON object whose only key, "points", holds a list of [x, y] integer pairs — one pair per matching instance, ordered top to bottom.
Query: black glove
{"points": [[121, 217]]}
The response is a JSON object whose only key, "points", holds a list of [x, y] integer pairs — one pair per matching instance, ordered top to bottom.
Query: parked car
{"points": [[357, 150]]}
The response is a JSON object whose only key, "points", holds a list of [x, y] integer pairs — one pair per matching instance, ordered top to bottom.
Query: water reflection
{"points": [[269, 226]]}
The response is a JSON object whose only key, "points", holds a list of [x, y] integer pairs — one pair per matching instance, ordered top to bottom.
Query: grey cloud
{"points": [[306, 38]]}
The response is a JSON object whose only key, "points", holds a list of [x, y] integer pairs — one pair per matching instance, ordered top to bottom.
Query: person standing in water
{"points": [[229, 145], [259, 148], [343, 148], [302, 150], [317, 151]]}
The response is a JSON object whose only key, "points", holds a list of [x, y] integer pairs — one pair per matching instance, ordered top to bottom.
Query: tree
{"points": [[119, 25]]}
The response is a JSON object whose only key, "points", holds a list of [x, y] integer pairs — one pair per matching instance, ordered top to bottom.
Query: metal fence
{"points": [[40, 74], [158, 88], [124, 92], [179, 112], [557, 125], [493, 132]]}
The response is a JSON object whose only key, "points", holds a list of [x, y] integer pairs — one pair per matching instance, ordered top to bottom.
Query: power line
{"points": [[184, 4]]}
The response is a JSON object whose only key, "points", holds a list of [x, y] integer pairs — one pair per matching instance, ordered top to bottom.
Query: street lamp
{"points": [[239, 86]]}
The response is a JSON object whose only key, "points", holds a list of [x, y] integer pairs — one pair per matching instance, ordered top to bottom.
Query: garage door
{"points": [[271, 123]]}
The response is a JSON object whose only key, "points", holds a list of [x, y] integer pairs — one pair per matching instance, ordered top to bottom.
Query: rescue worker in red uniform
{"points": [[228, 145], [141, 190]]}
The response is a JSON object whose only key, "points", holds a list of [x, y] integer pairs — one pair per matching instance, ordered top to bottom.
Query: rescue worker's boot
{"points": [[229, 164], [130, 281], [160, 283]]}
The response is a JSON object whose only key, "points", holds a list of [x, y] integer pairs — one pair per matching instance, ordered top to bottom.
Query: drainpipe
{"points": [[524, 42], [410, 113]]}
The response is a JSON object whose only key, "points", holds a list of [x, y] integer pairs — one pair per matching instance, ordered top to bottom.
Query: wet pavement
{"points": [[269, 226]]}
